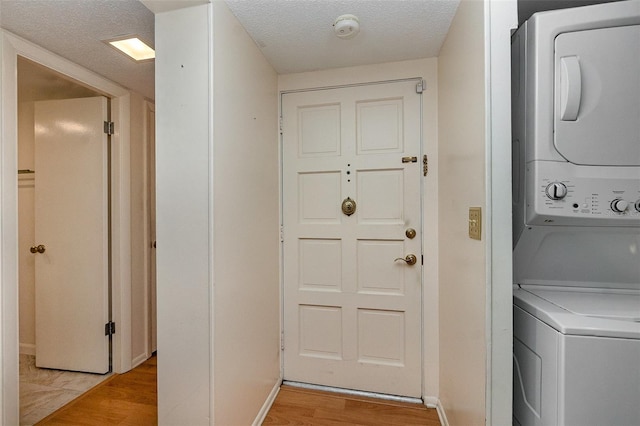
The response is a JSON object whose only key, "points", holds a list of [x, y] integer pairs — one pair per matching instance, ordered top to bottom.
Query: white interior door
{"points": [[71, 222], [352, 312]]}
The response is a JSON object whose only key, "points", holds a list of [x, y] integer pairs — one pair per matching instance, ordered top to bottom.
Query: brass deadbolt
{"points": [[348, 206], [410, 233], [38, 249]]}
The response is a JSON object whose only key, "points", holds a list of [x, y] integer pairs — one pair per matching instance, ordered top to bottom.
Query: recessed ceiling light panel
{"points": [[133, 47]]}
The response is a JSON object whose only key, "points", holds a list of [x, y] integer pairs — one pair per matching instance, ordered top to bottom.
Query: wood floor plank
{"points": [[124, 399], [130, 399], [297, 406]]}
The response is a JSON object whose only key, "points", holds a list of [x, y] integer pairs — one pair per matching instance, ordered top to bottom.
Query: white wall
{"points": [[500, 18], [427, 69], [461, 109], [217, 174], [184, 215], [246, 224]]}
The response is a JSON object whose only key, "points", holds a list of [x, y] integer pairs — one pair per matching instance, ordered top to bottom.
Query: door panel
{"points": [[71, 221], [352, 313]]}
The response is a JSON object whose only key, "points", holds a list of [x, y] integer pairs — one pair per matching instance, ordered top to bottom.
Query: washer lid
{"points": [[597, 96], [619, 305], [569, 323]]}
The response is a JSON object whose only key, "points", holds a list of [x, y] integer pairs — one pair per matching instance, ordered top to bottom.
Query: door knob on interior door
{"points": [[38, 249], [411, 259]]}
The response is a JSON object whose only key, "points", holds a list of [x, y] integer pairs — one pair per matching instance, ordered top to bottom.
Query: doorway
{"points": [[13, 48], [352, 238], [63, 239]]}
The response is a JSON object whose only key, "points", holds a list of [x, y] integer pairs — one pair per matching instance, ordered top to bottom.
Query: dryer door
{"points": [[597, 96]]}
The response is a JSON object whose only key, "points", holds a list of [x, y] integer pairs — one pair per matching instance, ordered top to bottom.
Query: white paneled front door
{"points": [[71, 225], [352, 303]]}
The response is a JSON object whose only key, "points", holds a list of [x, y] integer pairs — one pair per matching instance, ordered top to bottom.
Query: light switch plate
{"points": [[475, 222]]}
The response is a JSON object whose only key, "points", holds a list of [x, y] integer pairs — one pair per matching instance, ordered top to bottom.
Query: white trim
{"points": [[500, 18], [12, 47], [37, 54], [147, 107], [422, 186], [121, 233], [211, 243], [27, 349], [139, 360], [430, 401], [9, 411], [441, 413], [262, 414]]}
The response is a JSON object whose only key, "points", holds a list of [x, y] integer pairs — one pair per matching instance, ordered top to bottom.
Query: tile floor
{"points": [[43, 391]]}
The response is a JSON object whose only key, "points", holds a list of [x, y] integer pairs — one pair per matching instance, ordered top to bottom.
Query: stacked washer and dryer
{"points": [[576, 182]]}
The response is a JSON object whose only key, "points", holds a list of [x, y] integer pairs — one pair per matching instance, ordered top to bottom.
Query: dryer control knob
{"points": [[556, 190], [619, 205], [638, 206]]}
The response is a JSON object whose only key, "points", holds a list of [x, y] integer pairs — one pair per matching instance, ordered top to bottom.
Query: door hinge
{"points": [[421, 86], [280, 124], [109, 127], [425, 164], [282, 234], [422, 259], [110, 328], [282, 341]]}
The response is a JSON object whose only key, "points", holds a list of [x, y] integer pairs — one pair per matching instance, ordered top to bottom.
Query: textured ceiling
{"points": [[74, 29], [294, 35], [297, 35]]}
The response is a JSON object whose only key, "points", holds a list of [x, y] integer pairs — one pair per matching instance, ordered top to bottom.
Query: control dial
{"points": [[556, 190], [619, 205], [638, 206]]}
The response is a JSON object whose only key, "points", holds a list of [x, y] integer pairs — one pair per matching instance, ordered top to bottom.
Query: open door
{"points": [[72, 234]]}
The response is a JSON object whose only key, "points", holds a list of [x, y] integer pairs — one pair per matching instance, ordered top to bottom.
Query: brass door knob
{"points": [[348, 206], [410, 233], [38, 249], [411, 259]]}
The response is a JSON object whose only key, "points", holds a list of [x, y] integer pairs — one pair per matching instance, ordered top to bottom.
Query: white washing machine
{"points": [[576, 194]]}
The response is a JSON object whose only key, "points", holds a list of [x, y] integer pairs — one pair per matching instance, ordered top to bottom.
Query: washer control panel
{"points": [[566, 194]]}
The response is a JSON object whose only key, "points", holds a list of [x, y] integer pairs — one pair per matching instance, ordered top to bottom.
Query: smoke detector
{"points": [[346, 26]]}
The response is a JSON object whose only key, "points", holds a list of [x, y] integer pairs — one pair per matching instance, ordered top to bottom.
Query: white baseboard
{"points": [[27, 349], [139, 360], [433, 402], [262, 414], [442, 414]]}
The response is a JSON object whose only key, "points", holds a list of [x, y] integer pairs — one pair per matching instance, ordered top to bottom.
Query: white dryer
{"points": [[576, 193]]}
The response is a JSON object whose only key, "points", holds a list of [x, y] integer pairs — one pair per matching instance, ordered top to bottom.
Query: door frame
{"points": [[12, 46], [417, 80], [149, 225]]}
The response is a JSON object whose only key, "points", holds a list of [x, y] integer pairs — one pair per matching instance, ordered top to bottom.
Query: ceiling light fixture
{"points": [[346, 26], [133, 47]]}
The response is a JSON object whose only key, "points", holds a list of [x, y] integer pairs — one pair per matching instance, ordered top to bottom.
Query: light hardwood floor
{"points": [[123, 399], [131, 399], [296, 406]]}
